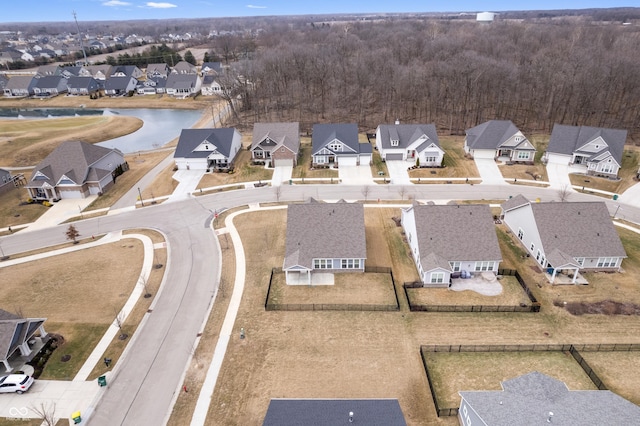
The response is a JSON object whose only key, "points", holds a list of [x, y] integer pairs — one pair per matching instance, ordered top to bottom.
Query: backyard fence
{"points": [[572, 349]]}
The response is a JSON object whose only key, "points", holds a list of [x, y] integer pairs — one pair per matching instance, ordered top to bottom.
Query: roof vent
{"points": [[350, 416], [550, 417]]}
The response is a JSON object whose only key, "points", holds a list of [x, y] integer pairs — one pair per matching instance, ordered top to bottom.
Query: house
{"points": [[184, 67], [213, 68], [46, 70], [158, 70], [69, 71], [126, 71], [99, 72], [3, 82], [52, 85], [183, 85], [210, 85], [19, 86], [83, 86], [118, 86], [152, 86], [499, 139], [414, 143], [276, 144], [338, 144], [207, 149], [598, 149], [75, 170], [7, 181], [323, 237], [569, 237], [449, 241], [18, 334], [537, 399], [332, 412]]}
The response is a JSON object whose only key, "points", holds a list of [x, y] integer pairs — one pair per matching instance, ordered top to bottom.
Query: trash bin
{"points": [[290, 181], [615, 197], [102, 381], [76, 417]]}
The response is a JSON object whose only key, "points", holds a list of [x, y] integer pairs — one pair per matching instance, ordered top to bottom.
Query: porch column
{"points": [[553, 276], [309, 277], [575, 277], [42, 332], [25, 350], [7, 366]]}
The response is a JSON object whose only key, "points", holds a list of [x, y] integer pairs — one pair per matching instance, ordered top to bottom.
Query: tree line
{"points": [[455, 74]]}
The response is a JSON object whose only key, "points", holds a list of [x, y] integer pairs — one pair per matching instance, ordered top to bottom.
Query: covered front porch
{"points": [[308, 277]]}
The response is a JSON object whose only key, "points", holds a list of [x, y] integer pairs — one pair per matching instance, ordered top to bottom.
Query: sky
{"points": [[101, 10]]}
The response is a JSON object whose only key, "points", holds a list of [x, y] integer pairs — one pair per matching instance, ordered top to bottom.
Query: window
{"points": [[518, 138], [394, 142], [335, 146], [523, 155], [430, 159], [320, 160], [607, 168], [520, 233], [533, 246], [538, 256], [542, 260], [580, 261], [607, 262], [350, 263], [322, 264], [455, 266], [484, 266], [437, 277]]}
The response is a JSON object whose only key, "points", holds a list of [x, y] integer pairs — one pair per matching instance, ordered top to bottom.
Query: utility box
{"points": [[102, 381]]}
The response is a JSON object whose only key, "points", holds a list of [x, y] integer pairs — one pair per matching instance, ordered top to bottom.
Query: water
{"points": [[160, 125]]}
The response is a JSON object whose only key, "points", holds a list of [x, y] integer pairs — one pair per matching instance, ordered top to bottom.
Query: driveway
{"points": [[489, 171], [398, 172], [281, 174], [355, 175], [558, 175], [189, 180], [631, 196], [61, 211]]}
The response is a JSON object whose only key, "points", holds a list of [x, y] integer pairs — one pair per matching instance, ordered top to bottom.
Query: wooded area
{"points": [[455, 74]]}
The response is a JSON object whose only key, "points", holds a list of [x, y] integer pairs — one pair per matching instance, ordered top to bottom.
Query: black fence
{"points": [[269, 305], [534, 306], [574, 350]]}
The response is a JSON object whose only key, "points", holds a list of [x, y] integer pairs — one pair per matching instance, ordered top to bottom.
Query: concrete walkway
{"points": [[489, 171], [398, 172], [281, 174], [130, 198], [61, 211]]}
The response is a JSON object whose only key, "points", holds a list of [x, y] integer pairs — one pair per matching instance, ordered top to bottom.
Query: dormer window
{"points": [[518, 138], [394, 142]]}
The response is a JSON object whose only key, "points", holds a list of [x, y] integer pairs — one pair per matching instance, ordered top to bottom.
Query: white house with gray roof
{"points": [[183, 85], [499, 139], [410, 143], [276, 144], [338, 144], [207, 149], [598, 149], [74, 170], [323, 237], [565, 237], [448, 241], [17, 334], [538, 399]]}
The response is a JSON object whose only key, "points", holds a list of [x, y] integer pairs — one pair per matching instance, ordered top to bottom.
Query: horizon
{"points": [[60, 11]]}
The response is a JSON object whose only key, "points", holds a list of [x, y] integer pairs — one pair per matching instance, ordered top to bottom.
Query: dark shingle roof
{"points": [[182, 81], [20, 82], [80, 82], [117, 83], [345, 133], [406, 134], [491, 134], [190, 139], [568, 139], [515, 202], [319, 230], [456, 233], [529, 400], [334, 412]]}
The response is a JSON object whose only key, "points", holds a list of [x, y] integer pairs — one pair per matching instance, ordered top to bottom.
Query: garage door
{"points": [[484, 153], [393, 157], [365, 159], [558, 159], [348, 161], [283, 162]]}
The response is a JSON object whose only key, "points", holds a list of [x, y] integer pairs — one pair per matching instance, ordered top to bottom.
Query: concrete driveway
{"points": [[489, 171], [398, 172], [281, 174], [355, 175], [558, 175], [189, 180], [631, 196], [61, 211]]}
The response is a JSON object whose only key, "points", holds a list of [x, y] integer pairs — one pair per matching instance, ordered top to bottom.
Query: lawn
{"points": [[27, 142], [455, 164], [303, 170], [244, 172], [163, 184], [15, 211], [618, 370], [454, 372]]}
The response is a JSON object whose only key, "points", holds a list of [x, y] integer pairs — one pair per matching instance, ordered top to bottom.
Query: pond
{"points": [[160, 125]]}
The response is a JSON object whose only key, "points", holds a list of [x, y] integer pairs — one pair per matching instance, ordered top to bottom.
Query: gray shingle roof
{"points": [[182, 81], [20, 82], [81, 83], [117, 83], [325, 133], [287, 134], [406, 134], [491, 134], [221, 139], [568, 139], [73, 159], [515, 202], [582, 229], [319, 230], [456, 233], [528, 400], [334, 412]]}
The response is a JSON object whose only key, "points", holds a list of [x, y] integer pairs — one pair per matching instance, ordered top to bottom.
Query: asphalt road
{"points": [[141, 390]]}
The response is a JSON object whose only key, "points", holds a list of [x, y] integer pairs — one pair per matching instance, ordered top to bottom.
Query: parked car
{"points": [[18, 383]]}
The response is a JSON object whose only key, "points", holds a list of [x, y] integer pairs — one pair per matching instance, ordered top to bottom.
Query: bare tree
{"points": [[278, 191], [365, 191], [402, 191], [564, 193], [72, 234], [145, 285], [119, 319], [46, 412]]}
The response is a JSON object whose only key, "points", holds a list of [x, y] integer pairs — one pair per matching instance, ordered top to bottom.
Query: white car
{"points": [[18, 383]]}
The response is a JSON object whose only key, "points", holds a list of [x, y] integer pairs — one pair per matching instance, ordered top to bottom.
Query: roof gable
{"points": [[345, 134], [491, 134], [406, 135], [569, 139], [193, 142]]}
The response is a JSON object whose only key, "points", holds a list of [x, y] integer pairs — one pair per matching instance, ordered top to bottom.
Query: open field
{"points": [[27, 142], [630, 162], [455, 163], [372, 354], [453, 372]]}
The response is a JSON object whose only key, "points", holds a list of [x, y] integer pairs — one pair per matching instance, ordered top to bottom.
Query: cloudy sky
{"points": [[93, 10]]}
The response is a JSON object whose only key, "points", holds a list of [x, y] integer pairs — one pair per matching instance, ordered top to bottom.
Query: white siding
{"points": [[522, 218]]}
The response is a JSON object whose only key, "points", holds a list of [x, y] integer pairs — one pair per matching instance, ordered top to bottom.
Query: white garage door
{"points": [[484, 153], [365, 159], [558, 159], [347, 161], [283, 162]]}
